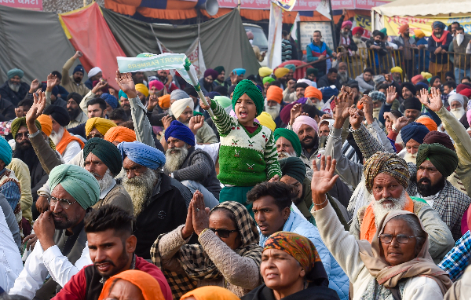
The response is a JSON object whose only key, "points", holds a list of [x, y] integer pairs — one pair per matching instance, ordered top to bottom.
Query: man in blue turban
{"points": [[14, 90], [413, 136], [194, 168], [159, 201], [60, 230]]}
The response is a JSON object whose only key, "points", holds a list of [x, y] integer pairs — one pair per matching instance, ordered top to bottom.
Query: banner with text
{"points": [[24, 4], [363, 22], [392, 24], [307, 29], [153, 62]]}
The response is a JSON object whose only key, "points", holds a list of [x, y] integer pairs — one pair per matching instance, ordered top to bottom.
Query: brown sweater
{"points": [[48, 159]]}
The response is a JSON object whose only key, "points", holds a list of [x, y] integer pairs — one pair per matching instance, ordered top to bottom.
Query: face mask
{"points": [[459, 38], [251, 41]]}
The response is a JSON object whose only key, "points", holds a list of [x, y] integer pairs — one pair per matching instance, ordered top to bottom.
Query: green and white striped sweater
{"points": [[245, 158]]}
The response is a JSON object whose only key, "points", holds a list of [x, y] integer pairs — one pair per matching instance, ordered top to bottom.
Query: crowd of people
{"points": [[271, 187]]}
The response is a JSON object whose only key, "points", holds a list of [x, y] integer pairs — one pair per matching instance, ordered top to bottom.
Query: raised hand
{"points": [[78, 54], [233, 77], [51, 82], [101, 84], [126, 84], [34, 86], [391, 94], [153, 101], [39, 103], [435, 103], [342, 105], [204, 106], [367, 108], [295, 112], [356, 117], [166, 121], [196, 123], [400, 123], [323, 179], [200, 213], [188, 229]]}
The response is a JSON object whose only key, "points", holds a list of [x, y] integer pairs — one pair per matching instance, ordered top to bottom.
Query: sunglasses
{"points": [[95, 135], [224, 233]]}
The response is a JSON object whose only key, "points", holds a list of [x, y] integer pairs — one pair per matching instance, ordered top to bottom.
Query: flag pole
{"points": [[197, 86]]}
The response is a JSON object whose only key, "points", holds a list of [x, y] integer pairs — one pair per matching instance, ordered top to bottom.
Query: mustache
{"points": [[25, 142], [96, 175], [425, 180], [387, 199], [60, 215], [104, 261]]}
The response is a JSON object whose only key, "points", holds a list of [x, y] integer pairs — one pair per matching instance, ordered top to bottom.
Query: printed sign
{"points": [[24, 4], [308, 28]]}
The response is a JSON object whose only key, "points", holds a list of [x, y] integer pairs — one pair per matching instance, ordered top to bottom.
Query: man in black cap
{"points": [[74, 83], [300, 88], [408, 90], [66, 144]]}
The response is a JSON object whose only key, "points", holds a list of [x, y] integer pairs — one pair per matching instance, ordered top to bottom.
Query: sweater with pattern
{"points": [[245, 158]]}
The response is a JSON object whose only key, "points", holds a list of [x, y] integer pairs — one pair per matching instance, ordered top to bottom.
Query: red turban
{"points": [[358, 29]]}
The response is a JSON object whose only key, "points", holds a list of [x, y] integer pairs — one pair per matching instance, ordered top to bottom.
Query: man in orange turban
{"points": [[314, 95], [274, 103], [120, 134]]}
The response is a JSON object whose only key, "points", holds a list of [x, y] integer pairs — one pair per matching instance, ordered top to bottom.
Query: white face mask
{"points": [[459, 38]]}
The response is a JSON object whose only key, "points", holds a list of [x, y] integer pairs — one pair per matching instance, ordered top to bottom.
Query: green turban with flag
{"points": [[248, 87], [291, 136], [442, 158], [78, 182]]}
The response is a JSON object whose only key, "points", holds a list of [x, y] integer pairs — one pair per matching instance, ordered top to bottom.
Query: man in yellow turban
{"points": [[97, 127]]}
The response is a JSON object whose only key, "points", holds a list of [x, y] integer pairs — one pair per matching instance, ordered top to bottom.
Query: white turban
{"points": [[93, 72], [308, 82], [456, 97], [179, 106]]}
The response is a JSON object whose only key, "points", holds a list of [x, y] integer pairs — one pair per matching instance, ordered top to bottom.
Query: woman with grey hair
{"points": [[396, 265]]}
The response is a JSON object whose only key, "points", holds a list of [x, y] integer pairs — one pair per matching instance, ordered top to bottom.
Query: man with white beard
{"points": [[461, 46], [343, 74], [14, 90], [274, 103], [457, 105], [66, 144], [101, 158], [194, 168], [386, 179], [159, 206]]}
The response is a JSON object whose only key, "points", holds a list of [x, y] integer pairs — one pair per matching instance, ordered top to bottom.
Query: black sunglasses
{"points": [[224, 233]]}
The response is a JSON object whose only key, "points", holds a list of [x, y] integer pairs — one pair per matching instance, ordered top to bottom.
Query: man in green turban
{"points": [[14, 90], [287, 143], [435, 163], [60, 230]]}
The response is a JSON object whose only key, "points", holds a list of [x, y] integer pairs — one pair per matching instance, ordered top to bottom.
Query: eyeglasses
{"points": [[22, 135], [94, 135], [64, 203], [224, 233], [400, 238]]}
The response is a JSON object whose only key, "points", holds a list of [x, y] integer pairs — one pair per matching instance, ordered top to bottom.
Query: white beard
{"points": [[459, 39], [357, 40], [343, 77], [14, 87], [274, 111], [376, 112], [458, 112], [56, 137], [285, 154], [410, 158], [173, 161], [106, 182], [140, 189], [381, 210]]}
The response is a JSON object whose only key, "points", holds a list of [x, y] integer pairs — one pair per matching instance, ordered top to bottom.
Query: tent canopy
{"points": [[424, 7]]}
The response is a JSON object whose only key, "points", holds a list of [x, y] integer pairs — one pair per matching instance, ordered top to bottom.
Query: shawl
{"points": [[442, 39], [67, 138], [197, 264], [389, 276]]}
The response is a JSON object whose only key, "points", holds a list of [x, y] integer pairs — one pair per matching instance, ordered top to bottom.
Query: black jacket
{"points": [[338, 27], [324, 81], [14, 97], [7, 110], [165, 211], [263, 292]]}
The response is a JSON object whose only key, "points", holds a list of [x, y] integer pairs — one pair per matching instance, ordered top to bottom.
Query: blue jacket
{"points": [[338, 280]]}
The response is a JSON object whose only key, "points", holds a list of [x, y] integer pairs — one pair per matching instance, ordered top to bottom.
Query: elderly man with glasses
{"points": [[60, 231]]}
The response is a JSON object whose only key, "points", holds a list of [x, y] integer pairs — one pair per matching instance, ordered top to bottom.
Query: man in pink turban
{"points": [[344, 36], [306, 129]]}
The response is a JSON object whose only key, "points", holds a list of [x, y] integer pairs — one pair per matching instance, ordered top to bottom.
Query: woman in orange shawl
{"points": [[131, 284]]}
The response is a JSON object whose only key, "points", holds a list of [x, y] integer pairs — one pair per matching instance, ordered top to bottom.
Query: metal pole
{"points": [[332, 25], [196, 84]]}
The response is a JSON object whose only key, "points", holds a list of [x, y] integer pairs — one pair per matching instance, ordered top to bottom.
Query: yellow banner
{"points": [[365, 23], [392, 24]]}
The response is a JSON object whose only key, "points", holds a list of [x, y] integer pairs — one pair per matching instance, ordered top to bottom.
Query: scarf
{"points": [[442, 39], [66, 139], [368, 226], [197, 264], [389, 277]]}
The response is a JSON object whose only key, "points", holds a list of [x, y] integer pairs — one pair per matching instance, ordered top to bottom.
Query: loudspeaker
{"points": [[212, 7]]}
